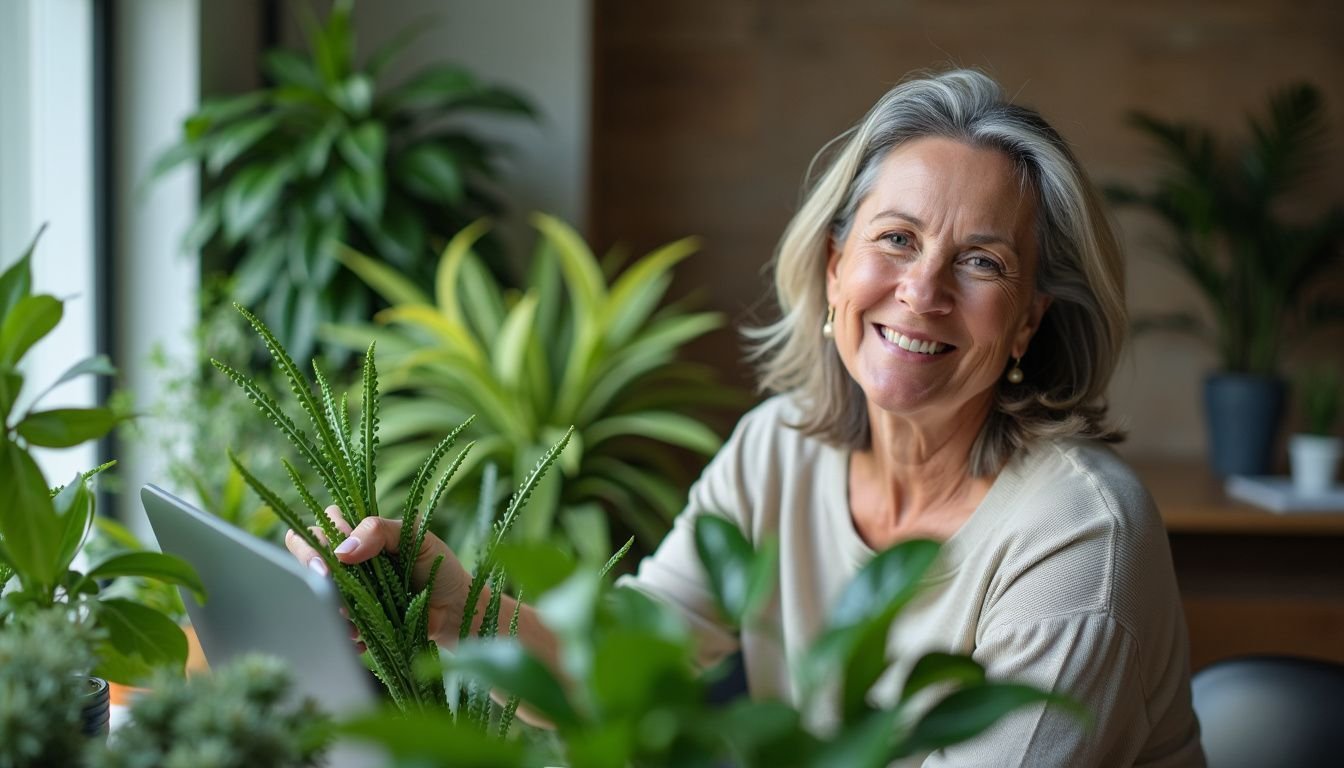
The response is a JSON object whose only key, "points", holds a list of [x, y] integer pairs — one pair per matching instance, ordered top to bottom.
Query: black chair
{"points": [[1271, 712]]}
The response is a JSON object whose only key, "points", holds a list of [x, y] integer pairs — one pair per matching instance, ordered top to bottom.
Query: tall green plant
{"points": [[334, 153], [1224, 206], [573, 349], [42, 529], [390, 613], [630, 696]]}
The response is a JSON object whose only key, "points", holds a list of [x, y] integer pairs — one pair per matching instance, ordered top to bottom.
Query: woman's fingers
{"points": [[338, 519], [371, 536], [304, 553]]}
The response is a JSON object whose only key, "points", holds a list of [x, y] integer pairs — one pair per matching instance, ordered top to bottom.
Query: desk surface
{"points": [[1191, 500]]}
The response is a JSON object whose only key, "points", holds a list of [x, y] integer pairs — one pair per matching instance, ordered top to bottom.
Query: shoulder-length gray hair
{"points": [[1075, 349]]}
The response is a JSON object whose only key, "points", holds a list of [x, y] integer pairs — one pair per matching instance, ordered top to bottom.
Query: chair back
{"points": [[1271, 712]]}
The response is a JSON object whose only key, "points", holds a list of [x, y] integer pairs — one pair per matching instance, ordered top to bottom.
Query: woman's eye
{"points": [[899, 239], [983, 263]]}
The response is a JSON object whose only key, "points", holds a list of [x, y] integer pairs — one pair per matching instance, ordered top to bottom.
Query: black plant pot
{"points": [[1242, 412], [94, 709]]}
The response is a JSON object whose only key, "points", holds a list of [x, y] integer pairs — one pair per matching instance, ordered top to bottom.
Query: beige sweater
{"points": [[1061, 578]]}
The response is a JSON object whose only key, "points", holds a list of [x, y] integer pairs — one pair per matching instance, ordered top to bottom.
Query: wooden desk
{"points": [[1252, 581]]}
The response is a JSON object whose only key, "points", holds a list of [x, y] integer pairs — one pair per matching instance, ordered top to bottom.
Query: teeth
{"points": [[913, 345]]}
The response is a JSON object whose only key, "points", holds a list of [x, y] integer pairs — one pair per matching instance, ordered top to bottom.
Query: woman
{"points": [[952, 309]]}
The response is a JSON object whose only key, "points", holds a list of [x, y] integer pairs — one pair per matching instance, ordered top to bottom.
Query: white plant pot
{"points": [[1314, 459]]}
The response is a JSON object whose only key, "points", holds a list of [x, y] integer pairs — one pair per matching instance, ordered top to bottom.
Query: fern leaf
{"points": [[334, 417], [369, 445], [55, 491], [524, 491], [417, 492], [281, 509], [424, 520], [616, 558], [375, 628], [511, 706]]}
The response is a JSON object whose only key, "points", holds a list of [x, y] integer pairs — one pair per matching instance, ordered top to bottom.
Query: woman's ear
{"points": [[832, 266], [1039, 304]]}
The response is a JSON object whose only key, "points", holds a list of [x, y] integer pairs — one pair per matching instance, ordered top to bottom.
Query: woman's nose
{"points": [[922, 287]]}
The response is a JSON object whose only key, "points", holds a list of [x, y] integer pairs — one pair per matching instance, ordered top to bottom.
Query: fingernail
{"points": [[347, 546], [317, 565]]}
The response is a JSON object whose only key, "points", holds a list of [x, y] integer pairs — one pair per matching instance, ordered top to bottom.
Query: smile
{"points": [[921, 346]]}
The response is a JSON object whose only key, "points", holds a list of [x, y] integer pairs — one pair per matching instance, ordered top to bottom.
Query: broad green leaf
{"points": [[290, 68], [430, 88], [217, 110], [236, 139], [364, 147], [434, 172], [361, 194], [251, 196], [577, 262], [450, 263], [256, 274], [17, 280], [390, 284], [636, 293], [482, 303], [31, 318], [454, 335], [511, 347], [98, 365], [11, 383], [66, 427], [674, 428], [74, 511], [28, 523], [587, 528], [117, 533], [536, 567], [169, 569], [740, 578], [886, 582], [569, 611], [139, 640], [506, 665], [937, 667], [632, 669], [966, 713], [766, 732], [433, 738], [867, 744]]}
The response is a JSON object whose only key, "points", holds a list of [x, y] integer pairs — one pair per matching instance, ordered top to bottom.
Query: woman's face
{"points": [[933, 288]]}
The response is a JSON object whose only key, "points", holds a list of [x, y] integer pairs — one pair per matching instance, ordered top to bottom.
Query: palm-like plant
{"points": [[332, 154], [1224, 205], [571, 350]]}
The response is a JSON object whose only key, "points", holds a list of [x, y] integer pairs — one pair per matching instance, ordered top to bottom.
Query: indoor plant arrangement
{"points": [[333, 153], [1255, 267], [573, 349], [1314, 453], [42, 529], [630, 696], [49, 705]]}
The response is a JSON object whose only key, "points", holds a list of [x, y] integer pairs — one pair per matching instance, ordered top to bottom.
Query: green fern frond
{"points": [[334, 417], [369, 445], [85, 476], [417, 492], [281, 509], [422, 526], [616, 558], [511, 706]]}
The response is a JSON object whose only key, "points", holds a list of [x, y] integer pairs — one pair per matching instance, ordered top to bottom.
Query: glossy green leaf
{"points": [[290, 68], [430, 88], [214, 111], [233, 141], [364, 147], [433, 172], [361, 194], [251, 196], [455, 255], [16, 282], [390, 284], [636, 293], [482, 304], [31, 318], [511, 346], [98, 365], [11, 384], [66, 427], [674, 428], [74, 512], [28, 523], [163, 567], [536, 567], [740, 579], [886, 582], [569, 611], [139, 640], [506, 665], [632, 668], [937, 668], [966, 713], [427, 737], [867, 744]]}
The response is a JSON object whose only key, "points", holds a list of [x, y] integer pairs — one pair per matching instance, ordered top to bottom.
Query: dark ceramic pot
{"points": [[1243, 413], [94, 708]]}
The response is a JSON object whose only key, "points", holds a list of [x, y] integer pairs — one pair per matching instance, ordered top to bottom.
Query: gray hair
{"points": [[1075, 349]]}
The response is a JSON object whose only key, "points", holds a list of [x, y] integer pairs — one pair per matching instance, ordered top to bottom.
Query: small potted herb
{"points": [[1314, 453], [49, 704]]}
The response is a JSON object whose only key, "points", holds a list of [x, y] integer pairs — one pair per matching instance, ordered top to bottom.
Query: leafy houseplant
{"points": [[332, 153], [1255, 268], [573, 349], [1314, 454], [42, 529], [391, 616], [45, 658], [632, 699], [235, 717]]}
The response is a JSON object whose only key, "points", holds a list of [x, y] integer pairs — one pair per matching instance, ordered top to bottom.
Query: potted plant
{"points": [[332, 152], [1255, 266], [577, 347], [1314, 453], [43, 528], [390, 614], [627, 693], [50, 705], [236, 717]]}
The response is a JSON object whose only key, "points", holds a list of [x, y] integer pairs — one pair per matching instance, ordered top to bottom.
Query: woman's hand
{"points": [[376, 534]]}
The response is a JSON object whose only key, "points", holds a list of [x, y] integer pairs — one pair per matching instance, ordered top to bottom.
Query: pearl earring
{"points": [[828, 327], [1015, 376]]}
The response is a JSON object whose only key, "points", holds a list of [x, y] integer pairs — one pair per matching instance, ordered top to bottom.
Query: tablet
{"points": [[261, 600]]}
